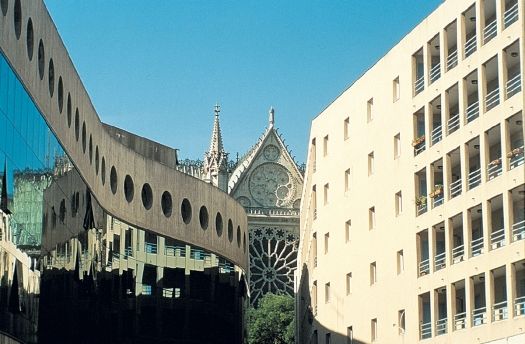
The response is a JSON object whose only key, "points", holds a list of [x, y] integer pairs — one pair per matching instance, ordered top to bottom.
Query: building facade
{"points": [[413, 214], [128, 253]]}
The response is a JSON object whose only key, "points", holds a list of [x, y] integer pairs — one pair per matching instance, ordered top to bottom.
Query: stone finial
{"points": [[271, 118]]}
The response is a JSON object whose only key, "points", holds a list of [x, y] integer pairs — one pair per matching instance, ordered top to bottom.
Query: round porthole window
{"points": [[18, 18], [30, 39], [41, 59], [51, 77], [60, 98], [68, 106], [103, 171], [113, 179], [129, 189], [147, 196], [166, 203], [185, 211], [203, 217], [218, 224]]}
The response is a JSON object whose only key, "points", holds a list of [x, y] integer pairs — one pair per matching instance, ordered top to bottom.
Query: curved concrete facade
{"points": [[52, 94]]}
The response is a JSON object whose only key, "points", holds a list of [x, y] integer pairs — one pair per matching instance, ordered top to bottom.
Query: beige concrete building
{"points": [[412, 215]]}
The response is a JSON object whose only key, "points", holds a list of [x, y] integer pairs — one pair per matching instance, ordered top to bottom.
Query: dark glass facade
{"points": [[102, 279]]}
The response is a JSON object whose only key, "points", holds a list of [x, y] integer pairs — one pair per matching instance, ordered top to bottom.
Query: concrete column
{"points": [[500, 10], [480, 23], [461, 34], [443, 52], [427, 63], [502, 75], [462, 101], [445, 112], [428, 126], [505, 145], [484, 151], [465, 165], [447, 176], [508, 216], [486, 220], [467, 233], [448, 243], [431, 248], [510, 280], [489, 294], [469, 301], [451, 307], [433, 310]]}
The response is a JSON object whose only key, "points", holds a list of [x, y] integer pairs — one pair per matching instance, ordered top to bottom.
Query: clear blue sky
{"points": [[157, 68]]}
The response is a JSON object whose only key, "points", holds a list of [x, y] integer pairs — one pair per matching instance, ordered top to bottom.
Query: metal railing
{"points": [[511, 15], [490, 31], [470, 46], [452, 59], [435, 72], [419, 84], [513, 85], [492, 99], [472, 111], [453, 123], [436, 136], [419, 148], [517, 157], [494, 169], [474, 178], [455, 188], [438, 200], [421, 209], [518, 231], [497, 239], [476, 246], [150, 248], [128, 251], [174, 251], [458, 254], [439, 261], [424, 267], [147, 289], [519, 306], [500, 311], [479, 316], [460, 321], [441, 326], [425, 330]]}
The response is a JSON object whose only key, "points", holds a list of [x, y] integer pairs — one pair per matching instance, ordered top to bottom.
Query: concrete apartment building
{"points": [[412, 215]]}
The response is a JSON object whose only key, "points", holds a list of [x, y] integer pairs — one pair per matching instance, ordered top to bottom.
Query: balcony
{"points": [[511, 15], [490, 31], [470, 46], [452, 60], [435, 72], [419, 84], [513, 86], [492, 99], [472, 111], [453, 123], [436, 135], [516, 157], [494, 168], [474, 178], [455, 188], [421, 205], [518, 231], [497, 239], [476, 246], [151, 248], [175, 251], [458, 254], [439, 261], [424, 267], [519, 306], [500, 311], [479, 316], [460, 321], [441, 327], [425, 330]]}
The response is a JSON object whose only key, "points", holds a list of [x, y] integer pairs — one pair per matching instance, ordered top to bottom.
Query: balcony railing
{"points": [[511, 15], [490, 31], [470, 46], [452, 59], [435, 72], [419, 84], [513, 85], [492, 99], [472, 111], [453, 123], [436, 134], [419, 148], [516, 157], [494, 168], [474, 178], [455, 188], [438, 200], [422, 207], [518, 231], [497, 239], [476, 246], [151, 248], [128, 251], [174, 251], [458, 254], [439, 261], [424, 267], [519, 306], [500, 311], [479, 316], [460, 321], [441, 326], [425, 330]]}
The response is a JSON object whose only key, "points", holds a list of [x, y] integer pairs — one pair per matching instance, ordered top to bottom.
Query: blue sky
{"points": [[157, 68]]}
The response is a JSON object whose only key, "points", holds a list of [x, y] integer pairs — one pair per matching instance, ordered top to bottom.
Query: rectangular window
{"points": [[395, 90], [369, 110], [346, 128], [325, 146], [397, 146], [313, 153], [371, 163], [347, 180], [326, 189], [399, 203], [372, 218], [348, 224], [326, 239], [314, 248], [400, 262], [373, 273], [348, 283], [327, 292], [314, 296], [401, 321], [373, 328], [349, 335], [328, 338]]}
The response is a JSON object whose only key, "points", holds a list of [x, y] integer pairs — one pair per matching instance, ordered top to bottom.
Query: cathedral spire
{"points": [[271, 117], [216, 136], [215, 167]]}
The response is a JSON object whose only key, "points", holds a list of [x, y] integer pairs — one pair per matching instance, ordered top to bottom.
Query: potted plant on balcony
{"points": [[418, 141], [515, 152], [495, 162], [438, 190], [421, 200]]}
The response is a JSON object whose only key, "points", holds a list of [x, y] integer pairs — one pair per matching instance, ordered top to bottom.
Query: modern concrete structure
{"points": [[412, 215], [132, 249]]}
